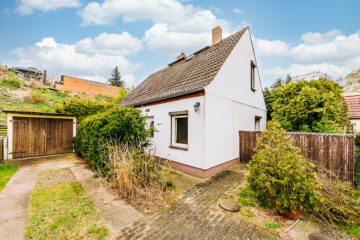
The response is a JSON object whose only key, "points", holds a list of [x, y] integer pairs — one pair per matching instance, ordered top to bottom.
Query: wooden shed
{"points": [[33, 134]]}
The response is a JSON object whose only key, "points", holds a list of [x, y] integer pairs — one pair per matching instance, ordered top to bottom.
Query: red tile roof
{"points": [[353, 103]]}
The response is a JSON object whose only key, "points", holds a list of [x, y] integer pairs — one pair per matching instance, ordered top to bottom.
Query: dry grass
{"points": [[35, 97], [139, 177]]}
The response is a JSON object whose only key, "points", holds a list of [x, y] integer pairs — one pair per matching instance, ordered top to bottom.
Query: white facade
{"points": [[228, 106]]}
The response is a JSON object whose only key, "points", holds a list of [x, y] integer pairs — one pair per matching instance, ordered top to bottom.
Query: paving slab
{"points": [[116, 213]]}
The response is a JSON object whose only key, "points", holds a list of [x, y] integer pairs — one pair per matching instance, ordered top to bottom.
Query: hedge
{"points": [[125, 125]]}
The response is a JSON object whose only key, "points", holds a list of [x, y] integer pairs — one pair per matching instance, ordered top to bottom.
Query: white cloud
{"points": [[29, 6], [131, 10], [238, 11], [176, 26], [160, 39], [110, 44], [265, 48], [332, 52], [68, 59], [128, 78]]}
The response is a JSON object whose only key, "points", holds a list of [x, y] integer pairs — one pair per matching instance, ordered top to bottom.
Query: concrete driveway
{"points": [[14, 198]]}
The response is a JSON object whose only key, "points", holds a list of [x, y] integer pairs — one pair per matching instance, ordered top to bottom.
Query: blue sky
{"points": [[88, 38]]}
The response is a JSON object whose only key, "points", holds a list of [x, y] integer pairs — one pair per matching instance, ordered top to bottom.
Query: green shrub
{"points": [[12, 81], [35, 97], [83, 107], [124, 125], [279, 176]]}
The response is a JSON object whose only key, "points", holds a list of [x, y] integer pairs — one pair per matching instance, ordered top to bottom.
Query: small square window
{"points": [[179, 131]]}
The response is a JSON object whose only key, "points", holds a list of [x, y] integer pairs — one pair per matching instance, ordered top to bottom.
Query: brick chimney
{"points": [[216, 35], [182, 55]]}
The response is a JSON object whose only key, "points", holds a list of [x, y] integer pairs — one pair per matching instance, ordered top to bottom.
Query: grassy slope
{"points": [[17, 98], [6, 172]]}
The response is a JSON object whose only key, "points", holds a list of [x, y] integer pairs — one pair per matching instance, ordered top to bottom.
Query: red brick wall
{"points": [[79, 85]]}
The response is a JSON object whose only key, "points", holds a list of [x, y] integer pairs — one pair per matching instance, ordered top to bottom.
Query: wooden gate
{"points": [[41, 136]]}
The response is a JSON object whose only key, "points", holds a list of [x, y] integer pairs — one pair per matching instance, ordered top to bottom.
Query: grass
{"points": [[6, 172], [246, 198], [63, 212], [272, 225], [354, 230]]}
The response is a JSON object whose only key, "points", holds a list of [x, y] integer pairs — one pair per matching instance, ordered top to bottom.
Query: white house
{"points": [[198, 104]]}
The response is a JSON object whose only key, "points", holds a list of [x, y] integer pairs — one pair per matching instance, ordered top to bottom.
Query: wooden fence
{"points": [[335, 152]]}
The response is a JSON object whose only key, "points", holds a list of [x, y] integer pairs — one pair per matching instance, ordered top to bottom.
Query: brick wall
{"points": [[79, 85]]}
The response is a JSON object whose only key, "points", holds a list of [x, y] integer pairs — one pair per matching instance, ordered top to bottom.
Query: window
{"points": [[252, 75], [257, 123], [150, 125], [179, 130]]}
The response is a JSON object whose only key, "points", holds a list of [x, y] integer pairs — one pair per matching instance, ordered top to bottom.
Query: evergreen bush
{"points": [[125, 125], [280, 177]]}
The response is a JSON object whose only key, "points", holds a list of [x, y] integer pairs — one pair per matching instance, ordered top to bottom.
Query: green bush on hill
{"points": [[125, 125]]}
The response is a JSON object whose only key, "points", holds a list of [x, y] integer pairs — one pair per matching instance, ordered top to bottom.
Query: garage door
{"points": [[41, 136]]}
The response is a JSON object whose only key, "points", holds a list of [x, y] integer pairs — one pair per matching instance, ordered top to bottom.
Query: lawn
{"points": [[6, 172], [63, 212]]}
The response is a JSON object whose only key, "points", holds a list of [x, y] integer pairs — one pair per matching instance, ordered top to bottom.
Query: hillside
{"points": [[21, 95]]}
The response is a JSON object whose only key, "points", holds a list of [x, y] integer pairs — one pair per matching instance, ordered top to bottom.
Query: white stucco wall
{"points": [[231, 105], [224, 119], [356, 124], [194, 156]]}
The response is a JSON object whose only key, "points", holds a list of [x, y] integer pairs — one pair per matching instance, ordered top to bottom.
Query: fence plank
{"points": [[335, 152]]}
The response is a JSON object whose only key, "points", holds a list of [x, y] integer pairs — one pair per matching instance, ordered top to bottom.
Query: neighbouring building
{"points": [[79, 85], [353, 103], [198, 104]]}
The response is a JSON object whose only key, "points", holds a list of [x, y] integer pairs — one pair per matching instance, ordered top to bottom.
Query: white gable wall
{"points": [[231, 105], [194, 156]]}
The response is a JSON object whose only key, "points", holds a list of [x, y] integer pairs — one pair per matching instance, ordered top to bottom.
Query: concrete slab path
{"points": [[14, 198], [116, 213]]}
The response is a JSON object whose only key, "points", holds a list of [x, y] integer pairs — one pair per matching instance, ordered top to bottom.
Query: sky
{"points": [[88, 38]]}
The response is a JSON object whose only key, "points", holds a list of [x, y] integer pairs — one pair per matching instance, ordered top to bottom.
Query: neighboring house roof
{"points": [[185, 75], [353, 103]]}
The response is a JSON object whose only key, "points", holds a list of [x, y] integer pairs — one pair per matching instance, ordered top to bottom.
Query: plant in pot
{"points": [[280, 177]]}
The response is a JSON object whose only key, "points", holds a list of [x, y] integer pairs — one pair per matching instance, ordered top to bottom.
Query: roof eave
{"points": [[166, 97]]}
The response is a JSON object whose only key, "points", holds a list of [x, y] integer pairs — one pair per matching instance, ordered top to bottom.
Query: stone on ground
{"points": [[229, 205], [319, 236]]}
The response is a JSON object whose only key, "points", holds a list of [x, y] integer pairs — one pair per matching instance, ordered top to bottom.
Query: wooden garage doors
{"points": [[41, 136]]}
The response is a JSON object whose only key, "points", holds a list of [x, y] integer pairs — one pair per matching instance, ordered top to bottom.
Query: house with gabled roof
{"points": [[200, 102], [353, 103]]}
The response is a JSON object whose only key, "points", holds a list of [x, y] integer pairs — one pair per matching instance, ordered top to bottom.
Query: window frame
{"points": [[253, 67], [173, 143]]}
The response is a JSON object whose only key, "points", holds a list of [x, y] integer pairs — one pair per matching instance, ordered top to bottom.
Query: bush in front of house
{"points": [[83, 107], [125, 125], [137, 175], [280, 177]]}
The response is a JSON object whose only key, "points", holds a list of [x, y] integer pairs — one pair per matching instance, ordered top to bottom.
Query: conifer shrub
{"points": [[280, 177]]}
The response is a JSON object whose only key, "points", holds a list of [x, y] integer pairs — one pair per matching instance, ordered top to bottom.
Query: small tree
{"points": [[115, 79], [353, 81], [279, 176]]}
